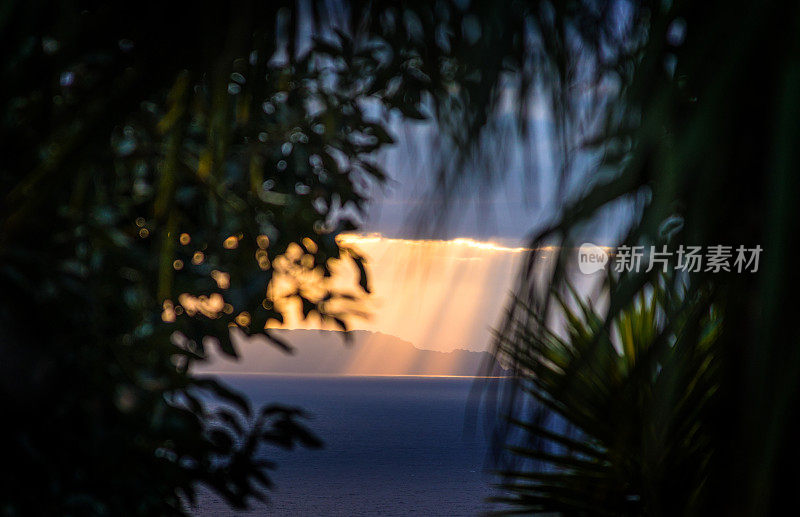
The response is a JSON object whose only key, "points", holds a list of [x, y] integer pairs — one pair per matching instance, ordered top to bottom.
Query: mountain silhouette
{"points": [[325, 352]]}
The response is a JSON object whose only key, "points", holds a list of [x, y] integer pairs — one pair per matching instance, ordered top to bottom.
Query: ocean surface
{"points": [[393, 446]]}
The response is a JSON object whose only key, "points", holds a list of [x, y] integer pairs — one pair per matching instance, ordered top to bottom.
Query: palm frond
{"points": [[614, 417]]}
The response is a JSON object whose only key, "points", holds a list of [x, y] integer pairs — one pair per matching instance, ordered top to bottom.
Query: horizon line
{"points": [[332, 375]]}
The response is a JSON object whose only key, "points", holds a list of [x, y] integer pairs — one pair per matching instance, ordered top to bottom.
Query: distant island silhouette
{"points": [[325, 352]]}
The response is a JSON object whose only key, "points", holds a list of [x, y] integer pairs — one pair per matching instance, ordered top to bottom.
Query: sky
{"points": [[442, 282], [443, 286], [437, 294]]}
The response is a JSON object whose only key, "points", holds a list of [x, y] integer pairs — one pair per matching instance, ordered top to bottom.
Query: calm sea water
{"points": [[393, 446]]}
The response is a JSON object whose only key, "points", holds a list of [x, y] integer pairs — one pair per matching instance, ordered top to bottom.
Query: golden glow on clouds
{"points": [[372, 238], [437, 294]]}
